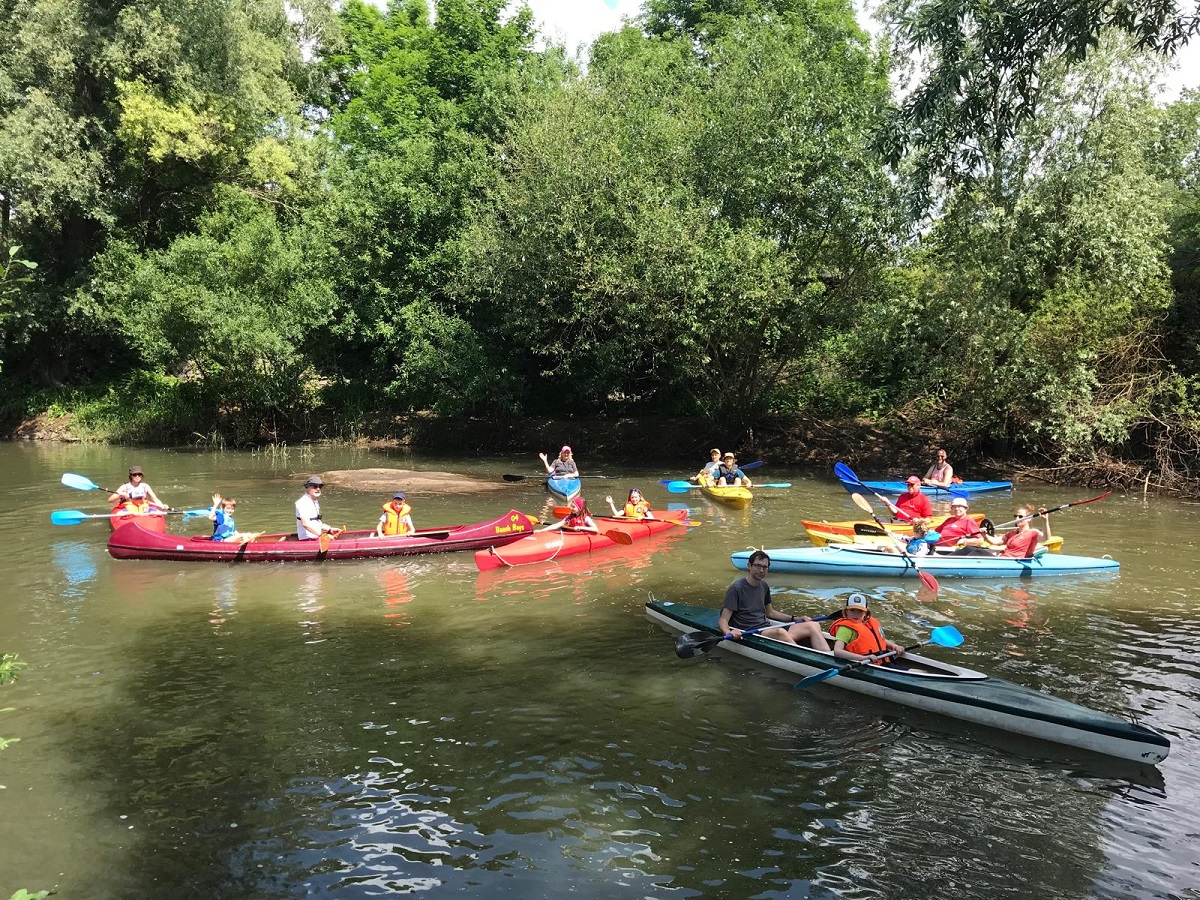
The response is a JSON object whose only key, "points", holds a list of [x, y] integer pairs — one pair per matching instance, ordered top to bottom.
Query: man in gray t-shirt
{"points": [[748, 605]]}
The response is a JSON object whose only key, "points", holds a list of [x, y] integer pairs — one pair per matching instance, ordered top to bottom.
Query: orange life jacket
{"points": [[132, 507], [636, 510], [394, 524], [868, 635]]}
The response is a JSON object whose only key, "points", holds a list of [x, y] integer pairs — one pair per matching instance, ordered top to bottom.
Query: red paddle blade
{"points": [[619, 537], [928, 580]]}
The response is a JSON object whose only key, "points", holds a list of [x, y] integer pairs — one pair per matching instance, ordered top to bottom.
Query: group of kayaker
{"points": [[580, 517], [959, 532]]}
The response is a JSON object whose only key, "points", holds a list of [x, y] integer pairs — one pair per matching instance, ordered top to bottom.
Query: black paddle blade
{"points": [[872, 530], [695, 643]]}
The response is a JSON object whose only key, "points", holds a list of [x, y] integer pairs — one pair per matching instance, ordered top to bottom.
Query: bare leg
{"points": [[808, 633]]}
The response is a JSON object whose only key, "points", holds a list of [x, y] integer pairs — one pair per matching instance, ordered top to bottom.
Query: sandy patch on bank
{"points": [[388, 481]]}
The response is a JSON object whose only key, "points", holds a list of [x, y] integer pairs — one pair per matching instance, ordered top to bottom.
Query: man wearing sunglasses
{"points": [[309, 526]]}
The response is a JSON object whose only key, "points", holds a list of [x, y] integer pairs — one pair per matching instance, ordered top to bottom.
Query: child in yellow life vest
{"points": [[635, 507], [395, 519], [857, 634]]}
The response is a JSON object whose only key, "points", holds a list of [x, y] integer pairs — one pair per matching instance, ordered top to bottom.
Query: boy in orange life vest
{"points": [[395, 519], [857, 634]]}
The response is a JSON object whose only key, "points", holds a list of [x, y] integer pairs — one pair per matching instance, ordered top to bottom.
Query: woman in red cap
{"points": [[563, 467]]}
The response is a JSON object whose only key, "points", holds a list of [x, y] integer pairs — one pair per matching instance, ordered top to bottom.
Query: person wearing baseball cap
{"points": [[714, 462], [563, 467], [728, 473], [135, 496], [912, 504], [396, 518], [309, 526], [960, 530], [858, 635]]}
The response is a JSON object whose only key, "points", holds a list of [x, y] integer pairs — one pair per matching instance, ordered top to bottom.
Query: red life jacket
{"points": [[868, 635]]}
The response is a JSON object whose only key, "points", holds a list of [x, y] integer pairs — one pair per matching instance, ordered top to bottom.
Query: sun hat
{"points": [[566, 449], [716, 450], [728, 456], [135, 470], [912, 479], [314, 481], [399, 495], [959, 501], [578, 503], [856, 601]]}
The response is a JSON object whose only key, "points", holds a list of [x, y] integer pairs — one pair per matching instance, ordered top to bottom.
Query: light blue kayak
{"points": [[899, 487], [564, 489], [847, 559]]}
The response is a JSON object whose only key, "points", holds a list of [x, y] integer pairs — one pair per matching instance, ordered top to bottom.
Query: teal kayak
{"points": [[856, 559], [938, 687]]}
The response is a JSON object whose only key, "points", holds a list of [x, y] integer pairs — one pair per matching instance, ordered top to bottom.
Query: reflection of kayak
{"points": [[899, 487], [564, 489], [736, 496], [820, 533], [132, 542], [545, 546], [844, 559], [939, 687]]}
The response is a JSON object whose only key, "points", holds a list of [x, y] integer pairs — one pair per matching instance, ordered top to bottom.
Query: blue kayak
{"points": [[899, 487], [565, 489], [854, 559]]}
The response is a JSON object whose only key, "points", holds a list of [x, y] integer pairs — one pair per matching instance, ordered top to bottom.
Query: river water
{"points": [[362, 728]]}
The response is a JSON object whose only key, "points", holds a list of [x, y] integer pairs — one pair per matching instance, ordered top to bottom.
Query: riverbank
{"points": [[869, 447]]}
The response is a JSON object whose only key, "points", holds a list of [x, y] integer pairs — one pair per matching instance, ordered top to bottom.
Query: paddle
{"points": [[755, 465], [845, 473], [511, 477], [71, 480], [1055, 509], [74, 516], [617, 537], [926, 579], [943, 636], [696, 643]]}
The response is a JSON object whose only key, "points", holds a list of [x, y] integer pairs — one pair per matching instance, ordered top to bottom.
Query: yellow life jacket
{"points": [[394, 524]]}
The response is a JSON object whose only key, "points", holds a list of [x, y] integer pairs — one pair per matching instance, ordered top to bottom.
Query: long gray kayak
{"points": [[848, 559], [938, 687]]}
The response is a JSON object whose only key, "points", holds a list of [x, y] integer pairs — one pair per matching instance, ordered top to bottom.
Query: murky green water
{"points": [[356, 729]]}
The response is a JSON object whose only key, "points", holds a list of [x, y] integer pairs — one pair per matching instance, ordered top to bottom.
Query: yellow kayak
{"points": [[737, 497], [822, 536]]}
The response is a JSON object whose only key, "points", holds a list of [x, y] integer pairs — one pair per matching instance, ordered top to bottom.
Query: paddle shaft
{"points": [[1054, 510], [926, 579], [945, 636], [702, 641]]}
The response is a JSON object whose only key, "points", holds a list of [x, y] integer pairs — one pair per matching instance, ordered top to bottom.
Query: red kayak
{"points": [[151, 521], [130, 541], [544, 546]]}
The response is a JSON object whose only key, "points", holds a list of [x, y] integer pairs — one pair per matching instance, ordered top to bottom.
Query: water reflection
{"points": [[77, 561]]}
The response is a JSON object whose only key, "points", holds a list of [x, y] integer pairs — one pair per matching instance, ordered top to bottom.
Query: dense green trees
{"points": [[252, 220]]}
